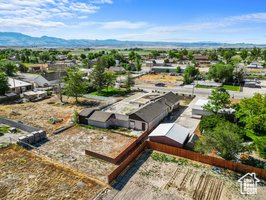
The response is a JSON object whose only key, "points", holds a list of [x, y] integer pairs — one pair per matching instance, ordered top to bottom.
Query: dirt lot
{"points": [[256, 70], [160, 78], [39, 113], [69, 148], [25, 175], [153, 176]]}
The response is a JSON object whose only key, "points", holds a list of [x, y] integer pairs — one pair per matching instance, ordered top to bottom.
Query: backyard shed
{"points": [[85, 114], [101, 119], [170, 134]]}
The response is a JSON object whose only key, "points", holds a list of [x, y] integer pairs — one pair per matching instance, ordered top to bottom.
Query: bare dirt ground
{"points": [[256, 70], [162, 78], [38, 114], [69, 148], [25, 175], [151, 178]]}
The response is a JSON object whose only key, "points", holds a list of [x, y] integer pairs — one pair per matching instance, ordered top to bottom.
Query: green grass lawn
{"points": [[256, 77], [204, 86], [227, 87], [232, 87], [111, 92], [3, 130]]}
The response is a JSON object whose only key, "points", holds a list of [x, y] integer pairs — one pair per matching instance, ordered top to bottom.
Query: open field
{"points": [[256, 70], [163, 78], [38, 114], [69, 148], [25, 175], [161, 176]]}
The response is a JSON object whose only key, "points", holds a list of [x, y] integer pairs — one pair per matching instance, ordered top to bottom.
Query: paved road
{"points": [[247, 92]]}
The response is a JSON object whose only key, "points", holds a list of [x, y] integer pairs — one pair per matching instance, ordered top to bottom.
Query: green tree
{"points": [[255, 53], [244, 54], [131, 55], [213, 55], [228, 55], [44, 56], [82, 56], [137, 64], [9, 68], [22, 68], [178, 69], [221, 72], [97, 74], [189, 74], [109, 79], [129, 81], [3, 83], [74, 85], [217, 100], [251, 113], [224, 138]]}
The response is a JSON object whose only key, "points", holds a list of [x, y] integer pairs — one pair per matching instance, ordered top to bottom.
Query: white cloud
{"points": [[102, 1], [46, 13], [123, 25]]}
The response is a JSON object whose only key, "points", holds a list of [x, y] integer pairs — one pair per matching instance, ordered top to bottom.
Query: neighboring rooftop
{"points": [[100, 116], [173, 131]]}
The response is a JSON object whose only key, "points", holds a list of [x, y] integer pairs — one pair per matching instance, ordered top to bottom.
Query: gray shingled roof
{"points": [[155, 108], [86, 112], [100, 116]]}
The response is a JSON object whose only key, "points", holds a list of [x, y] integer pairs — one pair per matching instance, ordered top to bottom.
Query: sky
{"points": [[230, 21]]}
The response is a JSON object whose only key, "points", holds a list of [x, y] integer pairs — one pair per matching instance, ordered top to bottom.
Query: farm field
{"points": [[162, 78], [38, 114], [69, 148], [25, 175], [160, 176]]}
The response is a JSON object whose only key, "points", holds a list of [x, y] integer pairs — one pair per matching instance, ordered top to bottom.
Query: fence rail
{"points": [[122, 155], [237, 167]]}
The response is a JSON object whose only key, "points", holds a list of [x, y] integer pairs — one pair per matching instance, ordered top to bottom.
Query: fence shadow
{"points": [[129, 172]]}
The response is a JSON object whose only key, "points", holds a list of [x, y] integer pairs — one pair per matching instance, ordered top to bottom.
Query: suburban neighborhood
{"points": [[117, 119]]}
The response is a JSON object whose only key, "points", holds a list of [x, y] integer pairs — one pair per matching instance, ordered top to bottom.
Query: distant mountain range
{"points": [[13, 39]]}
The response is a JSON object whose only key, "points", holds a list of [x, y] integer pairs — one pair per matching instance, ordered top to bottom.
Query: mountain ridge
{"points": [[15, 39]]}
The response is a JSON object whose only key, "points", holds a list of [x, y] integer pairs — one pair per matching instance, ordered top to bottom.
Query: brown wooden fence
{"points": [[123, 154], [126, 162], [237, 167]]}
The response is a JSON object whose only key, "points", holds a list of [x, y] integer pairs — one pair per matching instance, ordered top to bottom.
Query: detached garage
{"points": [[101, 119], [170, 134]]}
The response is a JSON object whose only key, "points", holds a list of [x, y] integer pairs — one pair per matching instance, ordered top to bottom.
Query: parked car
{"points": [[160, 84]]}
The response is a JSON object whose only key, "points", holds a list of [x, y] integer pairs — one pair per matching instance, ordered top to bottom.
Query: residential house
{"points": [[202, 59], [160, 62], [149, 63], [38, 68], [54, 77], [36, 79], [18, 86], [198, 108], [150, 115], [171, 134]]}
